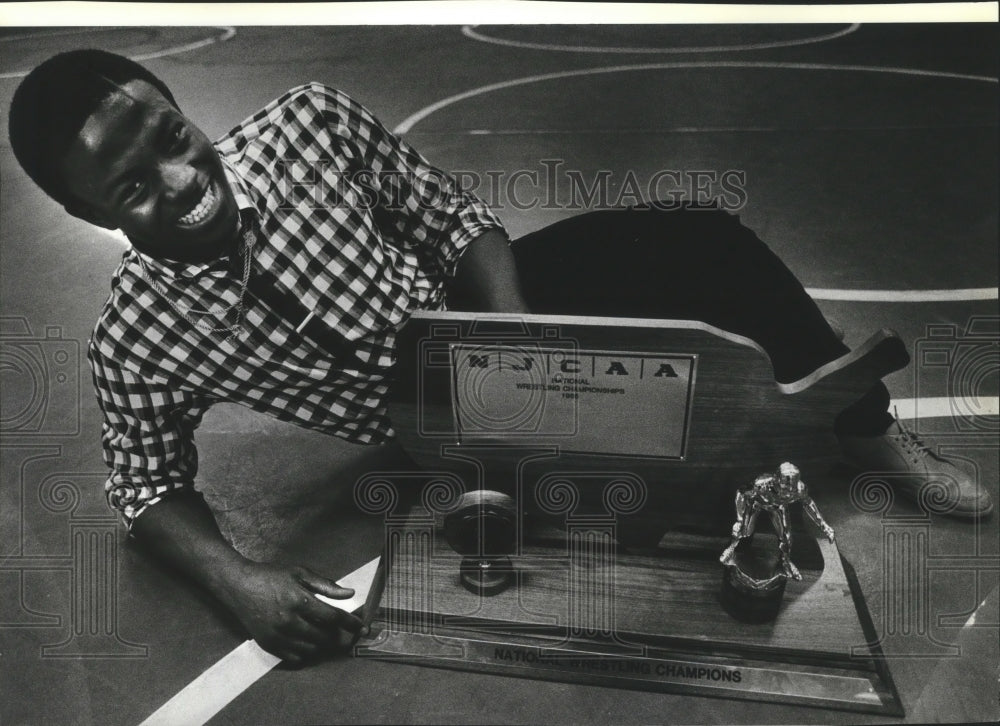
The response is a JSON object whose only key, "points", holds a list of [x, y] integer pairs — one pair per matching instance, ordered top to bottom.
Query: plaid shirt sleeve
{"points": [[422, 203], [147, 436]]}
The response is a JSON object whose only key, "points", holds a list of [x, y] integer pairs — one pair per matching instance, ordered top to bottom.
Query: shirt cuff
{"points": [[464, 237], [131, 498], [130, 514]]}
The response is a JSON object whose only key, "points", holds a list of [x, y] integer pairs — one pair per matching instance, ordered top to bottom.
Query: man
{"points": [[274, 268], [774, 493]]}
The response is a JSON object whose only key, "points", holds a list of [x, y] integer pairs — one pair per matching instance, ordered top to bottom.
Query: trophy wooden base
{"points": [[618, 430], [580, 611]]}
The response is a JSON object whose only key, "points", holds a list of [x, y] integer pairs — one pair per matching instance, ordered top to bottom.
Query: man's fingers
{"points": [[322, 585], [320, 613], [330, 616], [350, 623], [302, 630], [347, 640], [290, 649], [278, 650]]}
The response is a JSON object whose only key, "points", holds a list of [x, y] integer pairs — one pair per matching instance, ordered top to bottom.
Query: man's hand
{"points": [[813, 511], [277, 604]]}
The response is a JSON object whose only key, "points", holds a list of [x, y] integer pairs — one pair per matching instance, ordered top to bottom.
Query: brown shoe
{"points": [[912, 465]]}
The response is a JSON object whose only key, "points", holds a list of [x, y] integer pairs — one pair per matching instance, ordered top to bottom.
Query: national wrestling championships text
{"points": [[549, 186]]}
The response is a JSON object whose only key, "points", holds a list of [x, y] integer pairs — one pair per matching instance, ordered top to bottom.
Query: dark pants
{"points": [[687, 264]]}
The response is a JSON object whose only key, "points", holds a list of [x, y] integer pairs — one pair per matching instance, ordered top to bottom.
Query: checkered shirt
{"points": [[352, 221]]}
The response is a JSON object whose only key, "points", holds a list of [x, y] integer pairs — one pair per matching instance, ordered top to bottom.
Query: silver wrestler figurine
{"points": [[773, 493]]}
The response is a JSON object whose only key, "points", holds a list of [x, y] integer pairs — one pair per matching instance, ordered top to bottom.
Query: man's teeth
{"points": [[202, 209]]}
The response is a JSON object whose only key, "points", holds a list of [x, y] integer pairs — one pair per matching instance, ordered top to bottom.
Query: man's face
{"points": [[138, 165]]}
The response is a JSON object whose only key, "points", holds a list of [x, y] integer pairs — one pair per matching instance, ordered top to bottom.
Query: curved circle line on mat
{"points": [[470, 31], [227, 33], [45, 34], [413, 119], [945, 295]]}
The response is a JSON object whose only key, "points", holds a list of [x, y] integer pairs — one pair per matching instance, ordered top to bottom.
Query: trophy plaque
{"points": [[579, 484]]}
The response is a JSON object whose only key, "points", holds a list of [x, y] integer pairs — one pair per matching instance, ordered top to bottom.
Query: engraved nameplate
{"points": [[624, 404]]}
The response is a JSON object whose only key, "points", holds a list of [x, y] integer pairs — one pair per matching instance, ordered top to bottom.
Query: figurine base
{"points": [[486, 576], [753, 584], [751, 601]]}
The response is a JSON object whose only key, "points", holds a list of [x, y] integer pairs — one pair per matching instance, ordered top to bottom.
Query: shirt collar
{"points": [[243, 200], [219, 267]]}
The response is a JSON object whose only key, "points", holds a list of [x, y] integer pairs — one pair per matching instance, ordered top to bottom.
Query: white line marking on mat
{"points": [[470, 31], [227, 33], [47, 34], [415, 118], [700, 129], [972, 293], [945, 407], [218, 686], [214, 689]]}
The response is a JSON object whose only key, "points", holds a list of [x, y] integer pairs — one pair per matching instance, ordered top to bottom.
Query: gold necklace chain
{"points": [[234, 331]]}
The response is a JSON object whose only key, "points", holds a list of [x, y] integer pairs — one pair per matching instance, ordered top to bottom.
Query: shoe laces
{"points": [[909, 440]]}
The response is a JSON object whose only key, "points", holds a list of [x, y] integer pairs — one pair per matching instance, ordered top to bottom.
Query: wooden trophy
{"points": [[611, 452]]}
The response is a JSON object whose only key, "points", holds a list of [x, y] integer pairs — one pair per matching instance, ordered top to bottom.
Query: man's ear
{"points": [[87, 213]]}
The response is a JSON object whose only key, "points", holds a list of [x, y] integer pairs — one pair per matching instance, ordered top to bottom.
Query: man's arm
{"points": [[424, 206], [486, 275], [148, 438], [813, 511], [277, 604]]}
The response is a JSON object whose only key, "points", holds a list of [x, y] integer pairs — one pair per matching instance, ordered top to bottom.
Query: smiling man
{"points": [[187, 213], [274, 267], [239, 286]]}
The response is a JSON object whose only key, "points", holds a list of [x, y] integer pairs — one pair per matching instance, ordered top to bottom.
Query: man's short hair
{"points": [[53, 102]]}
